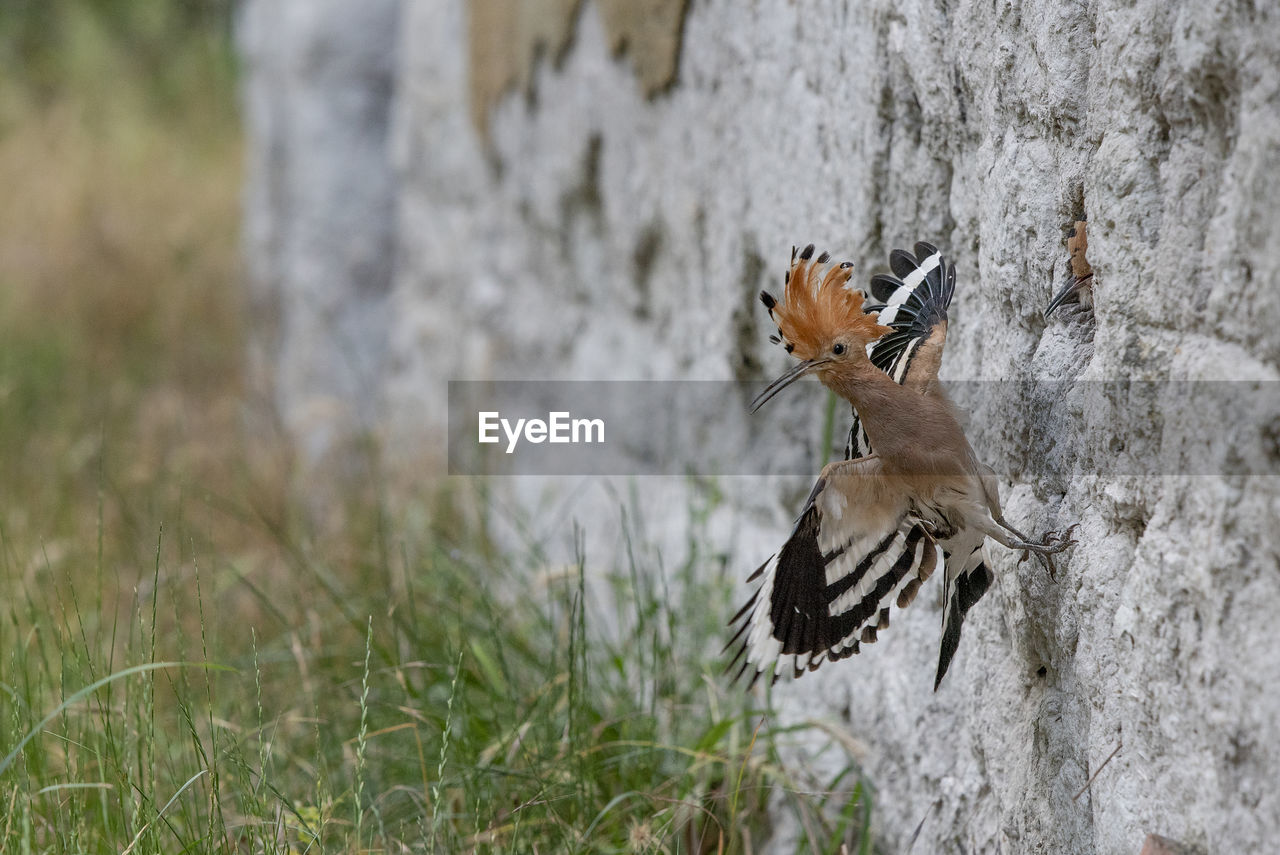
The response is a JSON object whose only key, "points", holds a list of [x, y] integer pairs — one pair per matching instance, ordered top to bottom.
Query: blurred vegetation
{"points": [[53, 47], [120, 161], [396, 684]]}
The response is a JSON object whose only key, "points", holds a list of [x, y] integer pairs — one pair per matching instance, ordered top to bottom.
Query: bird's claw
{"points": [[1057, 541], [1054, 542], [1050, 544], [1043, 557]]}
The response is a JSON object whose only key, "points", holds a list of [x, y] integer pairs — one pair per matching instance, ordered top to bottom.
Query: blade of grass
{"points": [[90, 689], [163, 810]]}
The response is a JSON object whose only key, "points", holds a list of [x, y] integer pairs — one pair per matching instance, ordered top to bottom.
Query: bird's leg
{"points": [[992, 491], [1000, 521], [1050, 537], [1053, 543], [1043, 553]]}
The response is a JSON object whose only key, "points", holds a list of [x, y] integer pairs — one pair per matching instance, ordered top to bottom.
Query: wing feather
{"points": [[914, 302], [854, 550], [967, 578]]}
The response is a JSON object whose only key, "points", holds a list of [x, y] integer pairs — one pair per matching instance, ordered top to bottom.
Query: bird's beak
{"points": [[1072, 290], [786, 380]]}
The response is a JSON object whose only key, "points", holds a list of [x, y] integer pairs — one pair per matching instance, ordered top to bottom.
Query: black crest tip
{"points": [[807, 252], [824, 258], [768, 300]]}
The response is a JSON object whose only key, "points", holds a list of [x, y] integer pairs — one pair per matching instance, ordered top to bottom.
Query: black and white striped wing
{"points": [[914, 302], [859, 444], [853, 554], [966, 578]]}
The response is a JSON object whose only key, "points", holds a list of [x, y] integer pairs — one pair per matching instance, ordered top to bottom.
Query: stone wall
{"points": [[589, 193], [320, 205]]}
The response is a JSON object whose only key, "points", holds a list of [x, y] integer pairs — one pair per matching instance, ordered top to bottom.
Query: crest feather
{"points": [[818, 307]]}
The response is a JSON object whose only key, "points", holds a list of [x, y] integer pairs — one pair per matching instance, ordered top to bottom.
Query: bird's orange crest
{"points": [[819, 308]]}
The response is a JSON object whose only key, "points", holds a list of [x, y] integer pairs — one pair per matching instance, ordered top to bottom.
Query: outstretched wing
{"points": [[914, 302], [855, 551]]}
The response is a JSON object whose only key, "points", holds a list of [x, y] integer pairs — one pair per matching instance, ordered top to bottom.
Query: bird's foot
{"points": [[1051, 544]]}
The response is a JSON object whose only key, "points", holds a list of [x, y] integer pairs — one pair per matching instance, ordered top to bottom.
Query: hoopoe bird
{"points": [[1079, 289], [910, 499]]}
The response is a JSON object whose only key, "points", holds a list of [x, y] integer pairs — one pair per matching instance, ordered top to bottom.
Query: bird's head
{"points": [[820, 320]]}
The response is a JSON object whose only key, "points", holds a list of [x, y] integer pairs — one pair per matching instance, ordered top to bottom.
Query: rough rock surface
{"points": [[591, 230]]}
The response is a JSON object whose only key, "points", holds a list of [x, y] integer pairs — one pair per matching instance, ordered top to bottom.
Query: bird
{"points": [[1080, 287], [911, 497]]}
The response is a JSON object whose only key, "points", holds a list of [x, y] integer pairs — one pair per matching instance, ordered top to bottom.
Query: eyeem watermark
{"points": [[560, 427], [706, 428]]}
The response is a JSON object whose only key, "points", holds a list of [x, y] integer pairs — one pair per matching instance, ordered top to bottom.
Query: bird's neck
{"points": [[868, 388], [911, 432]]}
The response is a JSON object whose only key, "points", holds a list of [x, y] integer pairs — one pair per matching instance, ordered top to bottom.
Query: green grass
{"points": [[190, 662], [424, 695]]}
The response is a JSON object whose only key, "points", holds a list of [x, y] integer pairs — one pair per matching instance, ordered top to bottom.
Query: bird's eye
{"points": [[838, 349]]}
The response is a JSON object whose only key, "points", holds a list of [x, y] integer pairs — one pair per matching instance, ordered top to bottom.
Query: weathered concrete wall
{"points": [[320, 211], [603, 222]]}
